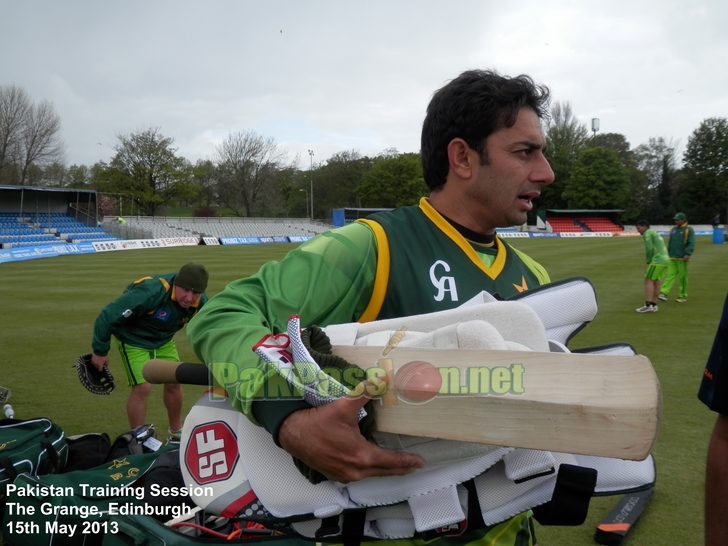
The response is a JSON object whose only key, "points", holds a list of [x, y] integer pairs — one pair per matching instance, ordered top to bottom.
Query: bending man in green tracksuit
{"points": [[483, 160], [680, 248], [657, 263], [143, 321]]}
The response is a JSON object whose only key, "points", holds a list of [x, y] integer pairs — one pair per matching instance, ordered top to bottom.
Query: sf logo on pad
{"points": [[212, 452]]}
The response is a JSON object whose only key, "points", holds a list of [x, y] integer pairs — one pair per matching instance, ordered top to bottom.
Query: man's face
{"points": [[502, 191], [641, 229], [185, 298]]}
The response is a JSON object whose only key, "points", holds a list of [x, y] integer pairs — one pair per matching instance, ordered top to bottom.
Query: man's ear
{"points": [[461, 157]]}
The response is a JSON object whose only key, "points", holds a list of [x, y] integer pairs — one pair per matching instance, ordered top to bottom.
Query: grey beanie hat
{"points": [[192, 276]]}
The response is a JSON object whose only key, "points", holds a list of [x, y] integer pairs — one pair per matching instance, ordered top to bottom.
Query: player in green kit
{"points": [[483, 160], [680, 248], [657, 264]]}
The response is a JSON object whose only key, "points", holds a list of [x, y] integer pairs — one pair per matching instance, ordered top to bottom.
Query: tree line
{"points": [[251, 175], [649, 181]]}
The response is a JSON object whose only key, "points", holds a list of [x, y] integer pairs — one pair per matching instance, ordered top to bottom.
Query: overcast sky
{"points": [[331, 76]]}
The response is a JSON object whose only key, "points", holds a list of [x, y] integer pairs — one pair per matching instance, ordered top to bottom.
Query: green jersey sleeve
{"points": [[690, 242], [649, 245], [327, 280]]}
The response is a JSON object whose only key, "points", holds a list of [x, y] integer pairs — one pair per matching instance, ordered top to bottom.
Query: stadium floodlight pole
{"points": [[595, 128], [310, 174], [306, 192]]}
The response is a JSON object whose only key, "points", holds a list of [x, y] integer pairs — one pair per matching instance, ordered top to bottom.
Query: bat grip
{"points": [[163, 371], [190, 373]]}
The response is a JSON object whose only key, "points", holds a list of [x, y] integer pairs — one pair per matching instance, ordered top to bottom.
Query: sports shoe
{"points": [[662, 297], [681, 300], [645, 309], [653, 309], [174, 436]]}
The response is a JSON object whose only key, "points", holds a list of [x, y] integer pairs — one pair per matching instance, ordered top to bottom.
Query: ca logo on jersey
{"points": [[443, 284]]}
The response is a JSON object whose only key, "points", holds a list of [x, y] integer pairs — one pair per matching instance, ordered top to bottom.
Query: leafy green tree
{"points": [[565, 138], [616, 142], [657, 160], [147, 169], [54, 174], [204, 175], [78, 176], [598, 180], [393, 181], [336, 183], [703, 186], [291, 187], [640, 201]]}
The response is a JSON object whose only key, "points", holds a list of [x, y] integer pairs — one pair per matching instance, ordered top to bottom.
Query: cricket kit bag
{"points": [[32, 446], [87, 451], [462, 485], [74, 508]]}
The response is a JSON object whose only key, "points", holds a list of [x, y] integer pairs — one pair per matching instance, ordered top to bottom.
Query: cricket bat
{"points": [[602, 405]]}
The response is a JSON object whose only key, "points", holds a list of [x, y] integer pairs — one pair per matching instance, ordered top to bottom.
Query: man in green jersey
{"points": [[483, 161], [680, 247], [657, 263], [143, 321]]}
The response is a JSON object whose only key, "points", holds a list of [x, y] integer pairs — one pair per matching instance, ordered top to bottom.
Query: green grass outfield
{"points": [[49, 306]]}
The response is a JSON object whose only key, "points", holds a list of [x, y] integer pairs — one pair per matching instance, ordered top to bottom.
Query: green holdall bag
{"points": [[31, 446], [74, 508]]}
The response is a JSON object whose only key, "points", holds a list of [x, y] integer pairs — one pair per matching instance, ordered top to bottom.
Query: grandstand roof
{"points": [[44, 188]]}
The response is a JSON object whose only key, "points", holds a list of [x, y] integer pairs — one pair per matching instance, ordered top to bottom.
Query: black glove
{"points": [[95, 381]]}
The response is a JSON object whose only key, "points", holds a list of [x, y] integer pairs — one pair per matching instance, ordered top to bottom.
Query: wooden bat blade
{"points": [[599, 405]]}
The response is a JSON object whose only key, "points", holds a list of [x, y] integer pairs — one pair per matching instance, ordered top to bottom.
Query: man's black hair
{"points": [[472, 107], [642, 223]]}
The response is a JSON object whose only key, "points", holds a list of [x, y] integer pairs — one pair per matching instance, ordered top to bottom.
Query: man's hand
{"points": [[686, 258], [99, 361], [327, 438]]}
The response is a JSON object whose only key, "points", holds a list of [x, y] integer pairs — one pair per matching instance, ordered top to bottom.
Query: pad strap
{"points": [[570, 502]]}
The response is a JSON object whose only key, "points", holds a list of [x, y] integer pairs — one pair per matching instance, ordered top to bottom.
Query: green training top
{"points": [[681, 242], [656, 252], [146, 315]]}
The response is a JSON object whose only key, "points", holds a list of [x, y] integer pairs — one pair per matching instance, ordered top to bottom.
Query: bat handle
{"points": [[164, 371]]}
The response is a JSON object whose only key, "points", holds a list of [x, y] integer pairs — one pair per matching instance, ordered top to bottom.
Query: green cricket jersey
{"points": [[681, 242], [656, 252], [425, 265], [146, 315]]}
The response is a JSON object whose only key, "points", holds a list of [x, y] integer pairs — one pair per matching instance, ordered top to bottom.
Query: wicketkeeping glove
{"points": [[95, 381]]}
